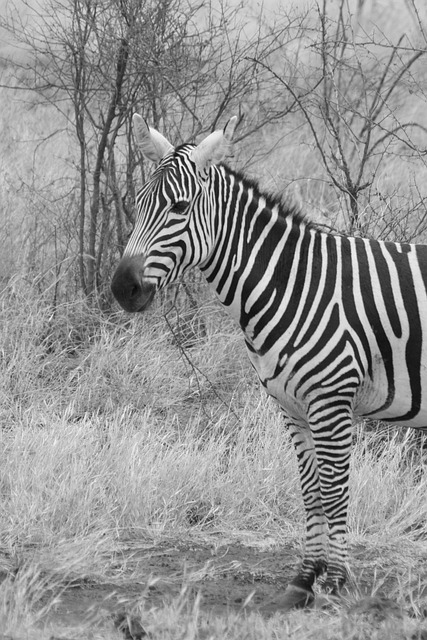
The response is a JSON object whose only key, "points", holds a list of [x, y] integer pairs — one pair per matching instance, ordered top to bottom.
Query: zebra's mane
{"points": [[287, 209]]}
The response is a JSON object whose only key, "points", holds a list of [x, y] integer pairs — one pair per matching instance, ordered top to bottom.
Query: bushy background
{"points": [[115, 426]]}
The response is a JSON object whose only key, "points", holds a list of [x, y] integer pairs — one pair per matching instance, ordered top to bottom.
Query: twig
{"points": [[196, 370]]}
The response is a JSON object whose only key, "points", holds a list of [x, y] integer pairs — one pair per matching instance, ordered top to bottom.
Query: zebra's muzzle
{"points": [[132, 291]]}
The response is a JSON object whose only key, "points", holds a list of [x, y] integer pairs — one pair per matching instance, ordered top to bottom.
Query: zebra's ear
{"points": [[153, 145], [214, 148]]}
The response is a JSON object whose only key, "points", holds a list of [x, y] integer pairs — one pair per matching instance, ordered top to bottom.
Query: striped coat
{"points": [[334, 325]]}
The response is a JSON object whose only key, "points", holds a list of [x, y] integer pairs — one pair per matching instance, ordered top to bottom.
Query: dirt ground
{"points": [[224, 576]]}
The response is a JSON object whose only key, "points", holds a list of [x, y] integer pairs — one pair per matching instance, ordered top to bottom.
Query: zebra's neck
{"points": [[252, 227]]}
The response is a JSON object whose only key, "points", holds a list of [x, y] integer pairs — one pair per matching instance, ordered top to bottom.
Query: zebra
{"points": [[334, 325]]}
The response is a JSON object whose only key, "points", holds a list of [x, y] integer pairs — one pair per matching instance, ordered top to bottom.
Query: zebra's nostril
{"points": [[134, 290]]}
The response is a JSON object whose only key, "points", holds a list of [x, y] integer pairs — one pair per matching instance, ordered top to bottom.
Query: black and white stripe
{"points": [[334, 325]]}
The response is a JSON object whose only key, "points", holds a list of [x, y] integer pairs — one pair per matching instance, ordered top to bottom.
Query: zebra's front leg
{"points": [[333, 448], [299, 592]]}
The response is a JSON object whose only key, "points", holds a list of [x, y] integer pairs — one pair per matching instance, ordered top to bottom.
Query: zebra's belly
{"points": [[395, 390], [400, 398], [405, 403]]}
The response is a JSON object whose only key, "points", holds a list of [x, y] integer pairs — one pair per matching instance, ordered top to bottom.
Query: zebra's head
{"points": [[173, 229]]}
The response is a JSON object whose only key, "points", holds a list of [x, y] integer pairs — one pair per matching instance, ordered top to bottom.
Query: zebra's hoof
{"points": [[296, 598]]}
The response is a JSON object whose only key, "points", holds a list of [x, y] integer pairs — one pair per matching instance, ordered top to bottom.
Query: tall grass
{"points": [[104, 418], [106, 423], [110, 430]]}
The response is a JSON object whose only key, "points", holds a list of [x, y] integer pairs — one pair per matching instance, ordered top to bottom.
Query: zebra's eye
{"points": [[180, 206]]}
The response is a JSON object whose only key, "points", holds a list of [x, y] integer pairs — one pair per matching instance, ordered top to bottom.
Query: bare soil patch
{"points": [[227, 577]]}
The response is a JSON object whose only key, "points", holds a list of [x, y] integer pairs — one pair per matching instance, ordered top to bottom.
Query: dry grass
{"points": [[109, 430], [109, 433]]}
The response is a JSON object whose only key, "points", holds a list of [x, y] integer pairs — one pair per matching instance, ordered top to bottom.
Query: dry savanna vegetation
{"points": [[147, 485]]}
